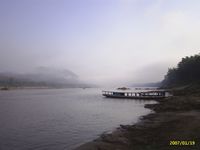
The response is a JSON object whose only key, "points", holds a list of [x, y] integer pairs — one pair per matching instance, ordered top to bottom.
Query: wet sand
{"points": [[173, 119]]}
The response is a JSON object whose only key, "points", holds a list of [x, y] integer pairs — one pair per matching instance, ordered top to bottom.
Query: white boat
{"points": [[155, 94]]}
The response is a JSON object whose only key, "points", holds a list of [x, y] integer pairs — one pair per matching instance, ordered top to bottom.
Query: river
{"points": [[55, 119]]}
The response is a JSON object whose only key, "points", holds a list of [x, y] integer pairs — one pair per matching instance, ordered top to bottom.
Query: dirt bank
{"points": [[175, 121]]}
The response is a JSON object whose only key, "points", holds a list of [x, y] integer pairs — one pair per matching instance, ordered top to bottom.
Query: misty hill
{"points": [[185, 75], [42, 77], [151, 84]]}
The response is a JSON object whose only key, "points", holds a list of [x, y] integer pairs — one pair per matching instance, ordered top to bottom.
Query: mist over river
{"points": [[51, 119]]}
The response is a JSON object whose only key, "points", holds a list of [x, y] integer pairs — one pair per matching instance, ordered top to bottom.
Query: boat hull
{"points": [[134, 97]]}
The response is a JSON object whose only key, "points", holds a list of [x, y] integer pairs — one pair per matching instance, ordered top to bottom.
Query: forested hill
{"points": [[187, 73], [42, 77]]}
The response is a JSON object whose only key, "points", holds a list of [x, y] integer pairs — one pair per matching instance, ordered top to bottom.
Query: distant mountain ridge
{"points": [[42, 77], [151, 84]]}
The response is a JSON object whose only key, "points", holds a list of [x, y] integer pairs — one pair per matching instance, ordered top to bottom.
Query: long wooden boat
{"points": [[157, 94]]}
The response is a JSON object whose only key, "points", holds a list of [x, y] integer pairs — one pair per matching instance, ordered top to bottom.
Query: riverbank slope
{"points": [[174, 119]]}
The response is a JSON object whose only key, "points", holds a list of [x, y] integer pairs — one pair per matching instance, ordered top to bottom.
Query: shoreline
{"points": [[30, 88], [174, 119]]}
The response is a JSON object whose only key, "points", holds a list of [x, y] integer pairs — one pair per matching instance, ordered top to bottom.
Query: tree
{"points": [[186, 72]]}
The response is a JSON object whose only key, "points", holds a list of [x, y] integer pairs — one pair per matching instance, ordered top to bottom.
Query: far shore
{"points": [[38, 87], [17, 88], [175, 121]]}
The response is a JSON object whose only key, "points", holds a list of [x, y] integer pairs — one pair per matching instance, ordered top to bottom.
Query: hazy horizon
{"points": [[104, 42]]}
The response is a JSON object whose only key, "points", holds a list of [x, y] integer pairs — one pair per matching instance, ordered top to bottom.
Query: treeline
{"points": [[186, 73], [12, 82]]}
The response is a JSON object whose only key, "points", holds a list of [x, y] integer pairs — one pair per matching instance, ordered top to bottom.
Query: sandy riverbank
{"points": [[174, 119]]}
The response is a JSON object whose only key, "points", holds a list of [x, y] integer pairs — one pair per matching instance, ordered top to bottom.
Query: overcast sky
{"points": [[102, 41]]}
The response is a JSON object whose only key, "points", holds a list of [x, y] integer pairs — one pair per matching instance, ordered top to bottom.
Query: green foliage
{"points": [[187, 72]]}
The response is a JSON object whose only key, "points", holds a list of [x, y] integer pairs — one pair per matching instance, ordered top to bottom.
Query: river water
{"points": [[59, 119]]}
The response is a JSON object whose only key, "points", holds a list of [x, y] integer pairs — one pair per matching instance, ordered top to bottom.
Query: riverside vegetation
{"points": [[174, 123]]}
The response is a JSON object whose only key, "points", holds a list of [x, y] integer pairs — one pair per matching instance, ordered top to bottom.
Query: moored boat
{"points": [[156, 94]]}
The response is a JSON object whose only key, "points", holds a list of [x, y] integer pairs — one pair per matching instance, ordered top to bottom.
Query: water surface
{"points": [[51, 119]]}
